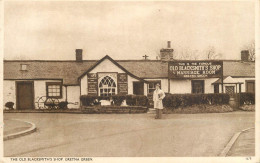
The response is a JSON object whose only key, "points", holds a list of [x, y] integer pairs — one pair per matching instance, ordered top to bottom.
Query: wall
{"points": [[106, 66], [130, 81], [84, 85], [180, 86], [184, 86], [209, 87], [40, 91], [9, 92], [73, 96]]}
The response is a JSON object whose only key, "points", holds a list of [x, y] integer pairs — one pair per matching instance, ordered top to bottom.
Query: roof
{"points": [[239, 69], [70, 71], [227, 80]]}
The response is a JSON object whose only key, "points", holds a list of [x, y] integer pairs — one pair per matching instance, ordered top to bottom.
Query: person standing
{"points": [[158, 96]]}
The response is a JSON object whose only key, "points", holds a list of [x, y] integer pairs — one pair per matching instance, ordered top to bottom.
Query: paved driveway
{"points": [[127, 135]]}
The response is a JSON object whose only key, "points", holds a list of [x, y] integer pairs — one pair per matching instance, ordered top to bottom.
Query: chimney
{"points": [[169, 44], [167, 54], [79, 55], [245, 55]]}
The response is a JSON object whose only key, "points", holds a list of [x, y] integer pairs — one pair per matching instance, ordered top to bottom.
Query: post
{"points": [[222, 79], [239, 84]]}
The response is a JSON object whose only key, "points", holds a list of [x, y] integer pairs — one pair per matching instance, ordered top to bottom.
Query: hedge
{"points": [[247, 98], [132, 100], [184, 100]]}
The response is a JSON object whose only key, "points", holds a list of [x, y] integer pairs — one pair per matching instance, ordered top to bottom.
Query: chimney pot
{"points": [[169, 44], [79, 55]]}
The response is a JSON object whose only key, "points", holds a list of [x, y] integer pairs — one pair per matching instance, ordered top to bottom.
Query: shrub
{"points": [[247, 98], [118, 99], [132, 100], [136, 100], [185, 100], [9, 105], [63, 105]]}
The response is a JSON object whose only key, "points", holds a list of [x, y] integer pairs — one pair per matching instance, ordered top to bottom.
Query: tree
{"points": [[251, 48], [211, 53], [187, 54]]}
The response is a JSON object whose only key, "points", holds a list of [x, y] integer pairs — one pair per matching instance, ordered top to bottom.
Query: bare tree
{"points": [[251, 48], [211, 53], [187, 54]]}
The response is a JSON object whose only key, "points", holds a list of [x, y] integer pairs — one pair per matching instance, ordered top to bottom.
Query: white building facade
{"points": [[27, 83]]}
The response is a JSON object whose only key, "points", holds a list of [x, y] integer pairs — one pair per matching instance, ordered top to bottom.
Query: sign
{"points": [[195, 69], [92, 84], [122, 84]]}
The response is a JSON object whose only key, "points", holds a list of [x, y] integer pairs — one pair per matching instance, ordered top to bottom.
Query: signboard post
{"points": [[195, 69]]}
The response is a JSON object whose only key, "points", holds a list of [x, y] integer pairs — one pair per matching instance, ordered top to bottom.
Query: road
{"points": [[126, 135]]}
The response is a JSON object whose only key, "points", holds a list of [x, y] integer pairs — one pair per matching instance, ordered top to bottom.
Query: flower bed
{"points": [[247, 107], [114, 109], [199, 109]]}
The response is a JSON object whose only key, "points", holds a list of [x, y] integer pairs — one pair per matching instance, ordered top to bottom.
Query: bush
{"points": [[247, 98], [118, 99], [132, 100], [136, 100], [185, 100], [9, 105], [63, 105]]}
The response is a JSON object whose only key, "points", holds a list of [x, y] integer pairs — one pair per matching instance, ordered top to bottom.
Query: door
{"points": [[138, 88], [24, 95]]}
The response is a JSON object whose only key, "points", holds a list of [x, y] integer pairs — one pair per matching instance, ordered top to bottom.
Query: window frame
{"points": [[153, 82], [53, 83], [192, 85], [108, 88]]}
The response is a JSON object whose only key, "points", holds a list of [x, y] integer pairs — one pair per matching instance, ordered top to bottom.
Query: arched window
{"points": [[107, 86]]}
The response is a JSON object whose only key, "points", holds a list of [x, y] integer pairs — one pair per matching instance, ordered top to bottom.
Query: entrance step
{"points": [[151, 111]]}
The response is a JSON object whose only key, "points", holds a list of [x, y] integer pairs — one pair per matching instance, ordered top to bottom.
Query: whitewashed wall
{"points": [[106, 66], [130, 84], [84, 85], [180, 86], [184, 86], [209, 87], [40, 91], [9, 92], [73, 96]]}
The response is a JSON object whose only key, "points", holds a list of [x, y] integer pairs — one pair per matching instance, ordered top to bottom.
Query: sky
{"points": [[45, 30]]}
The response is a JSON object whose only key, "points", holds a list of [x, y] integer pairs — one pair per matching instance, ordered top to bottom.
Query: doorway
{"points": [[138, 88], [24, 95]]}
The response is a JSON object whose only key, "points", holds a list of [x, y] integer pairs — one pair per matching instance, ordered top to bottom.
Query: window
{"points": [[23, 67], [152, 84], [107, 86], [197, 86], [250, 86], [54, 89], [230, 89]]}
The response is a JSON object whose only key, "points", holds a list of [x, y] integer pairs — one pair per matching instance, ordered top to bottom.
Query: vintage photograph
{"points": [[128, 79]]}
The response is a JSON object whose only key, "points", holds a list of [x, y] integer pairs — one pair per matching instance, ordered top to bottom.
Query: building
{"points": [[26, 81]]}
